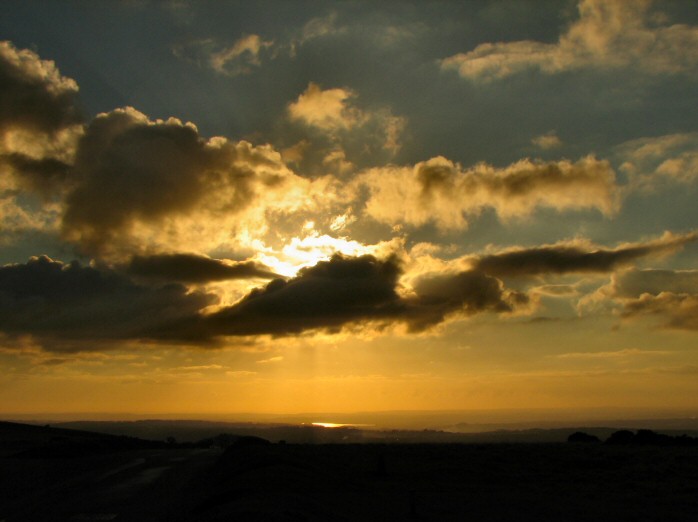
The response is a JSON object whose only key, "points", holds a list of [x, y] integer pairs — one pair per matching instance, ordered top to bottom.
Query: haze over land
{"points": [[217, 208]]}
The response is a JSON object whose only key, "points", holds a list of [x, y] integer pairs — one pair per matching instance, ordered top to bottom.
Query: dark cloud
{"points": [[33, 94], [130, 171], [43, 175], [563, 259], [194, 268], [633, 283], [348, 290], [469, 292], [327, 295], [670, 295], [56, 302], [678, 311]]}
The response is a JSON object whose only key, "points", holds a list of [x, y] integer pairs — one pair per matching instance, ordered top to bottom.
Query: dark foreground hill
{"points": [[253, 480], [444, 482]]}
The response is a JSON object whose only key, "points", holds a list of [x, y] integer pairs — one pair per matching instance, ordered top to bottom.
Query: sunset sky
{"points": [[275, 207]]}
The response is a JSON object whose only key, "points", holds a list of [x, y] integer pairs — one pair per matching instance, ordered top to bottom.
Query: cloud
{"points": [[319, 27], [609, 34], [241, 57], [34, 97], [327, 109], [39, 124], [340, 130], [547, 141], [672, 157], [45, 176], [124, 184], [141, 184], [442, 192], [576, 257], [195, 268], [633, 283], [352, 290], [468, 292], [327, 295], [671, 295], [57, 303], [64, 306], [679, 311], [626, 353], [271, 360]]}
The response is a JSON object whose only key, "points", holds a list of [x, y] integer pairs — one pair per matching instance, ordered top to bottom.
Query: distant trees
{"points": [[580, 436], [641, 437]]}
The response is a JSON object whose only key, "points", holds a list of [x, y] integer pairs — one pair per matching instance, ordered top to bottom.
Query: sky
{"points": [[279, 207]]}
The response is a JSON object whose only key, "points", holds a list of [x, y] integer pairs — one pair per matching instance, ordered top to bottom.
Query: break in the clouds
{"points": [[609, 34], [442, 192], [576, 257], [195, 268]]}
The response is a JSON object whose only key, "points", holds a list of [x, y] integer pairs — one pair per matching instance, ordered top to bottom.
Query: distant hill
{"points": [[24, 440]]}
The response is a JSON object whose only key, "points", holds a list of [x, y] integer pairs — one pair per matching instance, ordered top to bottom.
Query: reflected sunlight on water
{"points": [[340, 425]]}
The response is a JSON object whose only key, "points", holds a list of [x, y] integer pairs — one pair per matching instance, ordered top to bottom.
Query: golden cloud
{"points": [[608, 34], [442, 192]]}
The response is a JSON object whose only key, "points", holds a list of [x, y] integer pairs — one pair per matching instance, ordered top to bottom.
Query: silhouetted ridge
{"points": [[580, 436], [649, 438]]}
